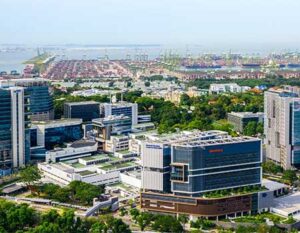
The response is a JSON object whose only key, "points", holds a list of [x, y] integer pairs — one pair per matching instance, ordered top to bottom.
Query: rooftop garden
{"points": [[95, 157], [77, 165], [109, 166], [85, 173], [233, 192], [262, 218]]}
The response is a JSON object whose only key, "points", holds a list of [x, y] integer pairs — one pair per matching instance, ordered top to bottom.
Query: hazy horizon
{"points": [[231, 24]]}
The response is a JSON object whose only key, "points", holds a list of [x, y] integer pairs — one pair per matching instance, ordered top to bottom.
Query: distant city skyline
{"points": [[214, 24]]}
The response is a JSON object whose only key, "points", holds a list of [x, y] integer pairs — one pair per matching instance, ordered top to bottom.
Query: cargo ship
{"points": [[251, 65], [293, 65], [203, 66]]}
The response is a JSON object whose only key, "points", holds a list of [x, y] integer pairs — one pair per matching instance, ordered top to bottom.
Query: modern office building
{"points": [[37, 89], [121, 108], [86, 110], [239, 120], [282, 127], [104, 128], [14, 129], [48, 134], [156, 156], [177, 178]]}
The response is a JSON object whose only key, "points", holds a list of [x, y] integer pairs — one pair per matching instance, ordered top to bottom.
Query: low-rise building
{"points": [[219, 88], [86, 110], [240, 119], [49, 134], [78, 149], [94, 169]]}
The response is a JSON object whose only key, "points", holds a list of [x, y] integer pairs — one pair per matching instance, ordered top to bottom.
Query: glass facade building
{"points": [[40, 100], [87, 111], [14, 129], [5, 132], [295, 132], [60, 135], [204, 168]]}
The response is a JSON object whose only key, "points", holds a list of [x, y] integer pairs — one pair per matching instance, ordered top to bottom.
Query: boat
{"points": [[251, 65], [293, 65], [203, 66]]}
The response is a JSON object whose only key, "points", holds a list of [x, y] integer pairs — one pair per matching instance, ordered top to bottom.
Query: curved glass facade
{"points": [[40, 99]]}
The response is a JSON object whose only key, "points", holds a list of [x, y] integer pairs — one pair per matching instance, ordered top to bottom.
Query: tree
{"points": [[147, 84], [185, 99], [250, 128], [260, 128], [271, 167], [29, 175], [290, 176], [123, 211], [134, 213], [183, 219], [143, 220], [166, 223], [116, 225], [99, 227]]}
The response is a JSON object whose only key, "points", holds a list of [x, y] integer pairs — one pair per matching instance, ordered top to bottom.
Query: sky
{"points": [[227, 23]]}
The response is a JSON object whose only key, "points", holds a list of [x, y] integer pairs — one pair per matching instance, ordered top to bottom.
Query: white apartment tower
{"points": [[282, 127]]}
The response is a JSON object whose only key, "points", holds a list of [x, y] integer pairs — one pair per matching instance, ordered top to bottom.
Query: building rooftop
{"points": [[19, 81], [283, 92], [81, 103], [119, 104], [247, 114], [110, 118], [60, 122], [183, 136], [217, 141], [83, 143], [95, 157], [108, 166], [86, 173], [272, 185], [288, 205]]}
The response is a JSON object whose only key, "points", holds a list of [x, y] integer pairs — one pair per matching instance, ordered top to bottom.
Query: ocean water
{"points": [[12, 58]]}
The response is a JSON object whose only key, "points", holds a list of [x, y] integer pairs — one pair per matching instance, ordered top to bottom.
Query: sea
{"points": [[12, 57]]}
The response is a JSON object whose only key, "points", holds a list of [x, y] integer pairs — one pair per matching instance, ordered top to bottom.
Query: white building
{"points": [[218, 88], [121, 108], [18, 126], [282, 127], [117, 143], [75, 150], [96, 169]]}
